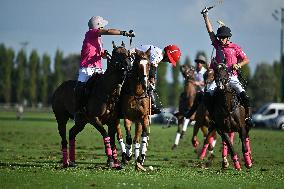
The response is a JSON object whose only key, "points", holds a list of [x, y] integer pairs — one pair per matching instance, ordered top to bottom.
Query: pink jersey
{"points": [[92, 50], [231, 54]]}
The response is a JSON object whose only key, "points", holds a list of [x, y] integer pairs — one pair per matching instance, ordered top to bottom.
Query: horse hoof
{"points": [[174, 147], [124, 159], [110, 163], [72, 164], [225, 164], [65, 165], [117, 165], [248, 166], [139, 167]]}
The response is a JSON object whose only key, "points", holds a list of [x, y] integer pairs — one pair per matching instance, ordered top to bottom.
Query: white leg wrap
{"points": [[185, 124], [177, 138], [214, 143], [122, 145], [144, 145], [128, 150], [137, 150]]}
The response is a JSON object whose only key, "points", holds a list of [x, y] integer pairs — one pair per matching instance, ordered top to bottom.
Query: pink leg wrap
{"points": [[231, 135], [211, 139], [247, 144], [107, 146], [72, 150], [224, 150], [203, 151], [114, 152], [65, 157], [247, 159], [236, 162]]}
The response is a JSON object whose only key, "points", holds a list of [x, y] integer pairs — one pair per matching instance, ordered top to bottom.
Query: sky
{"points": [[62, 24]]}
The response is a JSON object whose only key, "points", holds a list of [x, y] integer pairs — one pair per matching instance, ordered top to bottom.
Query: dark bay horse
{"points": [[102, 95], [135, 107], [229, 116]]}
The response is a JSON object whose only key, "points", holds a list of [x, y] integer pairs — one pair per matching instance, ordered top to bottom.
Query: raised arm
{"points": [[209, 27]]}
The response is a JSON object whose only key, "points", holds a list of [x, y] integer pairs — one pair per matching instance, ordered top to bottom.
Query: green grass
{"points": [[30, 155]]}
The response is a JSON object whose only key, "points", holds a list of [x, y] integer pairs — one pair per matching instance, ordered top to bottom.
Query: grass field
{"points": [[30, 155]]}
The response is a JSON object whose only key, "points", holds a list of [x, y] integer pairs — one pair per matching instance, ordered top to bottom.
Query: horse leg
{"points": [[99, 126], [78, 127], [112, 131], [179, 131], [62, 132], [144, 135], [194, 139], [136, 141], [120, 142], [212, 143], [206, 144], [128, 146], [245, 147], [234, 156], [225, 162]]}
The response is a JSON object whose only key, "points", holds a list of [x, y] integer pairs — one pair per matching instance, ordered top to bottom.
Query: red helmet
{"points": [[173, 53]]}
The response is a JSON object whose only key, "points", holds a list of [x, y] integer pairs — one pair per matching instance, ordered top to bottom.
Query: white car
{"points": [[267, 114], [279, 123]]}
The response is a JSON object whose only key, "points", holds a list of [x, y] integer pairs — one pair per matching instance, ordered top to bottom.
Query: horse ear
{"points": [[123, 44], [113, 45], [138, 51], [148, 52]]}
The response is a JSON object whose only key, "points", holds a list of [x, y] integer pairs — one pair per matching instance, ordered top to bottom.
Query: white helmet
{"points": [[97, 22]]}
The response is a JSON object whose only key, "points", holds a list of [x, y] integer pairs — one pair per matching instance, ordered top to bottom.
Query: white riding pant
{"points": [[86, 73], [233, 82]]}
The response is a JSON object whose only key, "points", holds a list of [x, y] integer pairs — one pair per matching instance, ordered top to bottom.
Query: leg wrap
{"points": [[72, 149], [108, 150]]}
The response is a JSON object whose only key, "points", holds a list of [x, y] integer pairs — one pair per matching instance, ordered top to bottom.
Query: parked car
{"points": [[267, 114], [165, 117], [279, 122]]}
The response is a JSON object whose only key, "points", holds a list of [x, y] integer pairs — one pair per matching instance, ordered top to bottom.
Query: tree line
{"points": [[28, 78]]}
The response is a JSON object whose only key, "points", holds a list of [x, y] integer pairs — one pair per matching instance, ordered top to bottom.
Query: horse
{"points": [[102, 93], [186, 100], [135, 106], [229, 116], [203, 121]]}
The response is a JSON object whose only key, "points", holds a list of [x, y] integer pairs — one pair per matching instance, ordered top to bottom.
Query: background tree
{"points": [[6, 61], [187, 61], [21, 63], [2, 64], [70, 67], [277, 70], [58, 74], [44, 75], [33, 76], [162, 85], [262, 87], [175, 88]]}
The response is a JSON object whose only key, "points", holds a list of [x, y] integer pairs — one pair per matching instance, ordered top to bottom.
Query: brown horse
{"points": [[185, 101], [100, 106], [135, 107], [229, 116], [202, 119]]}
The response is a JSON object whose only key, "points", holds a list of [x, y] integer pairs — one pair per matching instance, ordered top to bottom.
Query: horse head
{"points": [[120, 59], [141, 66], [187, 72], [221, 76]]}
